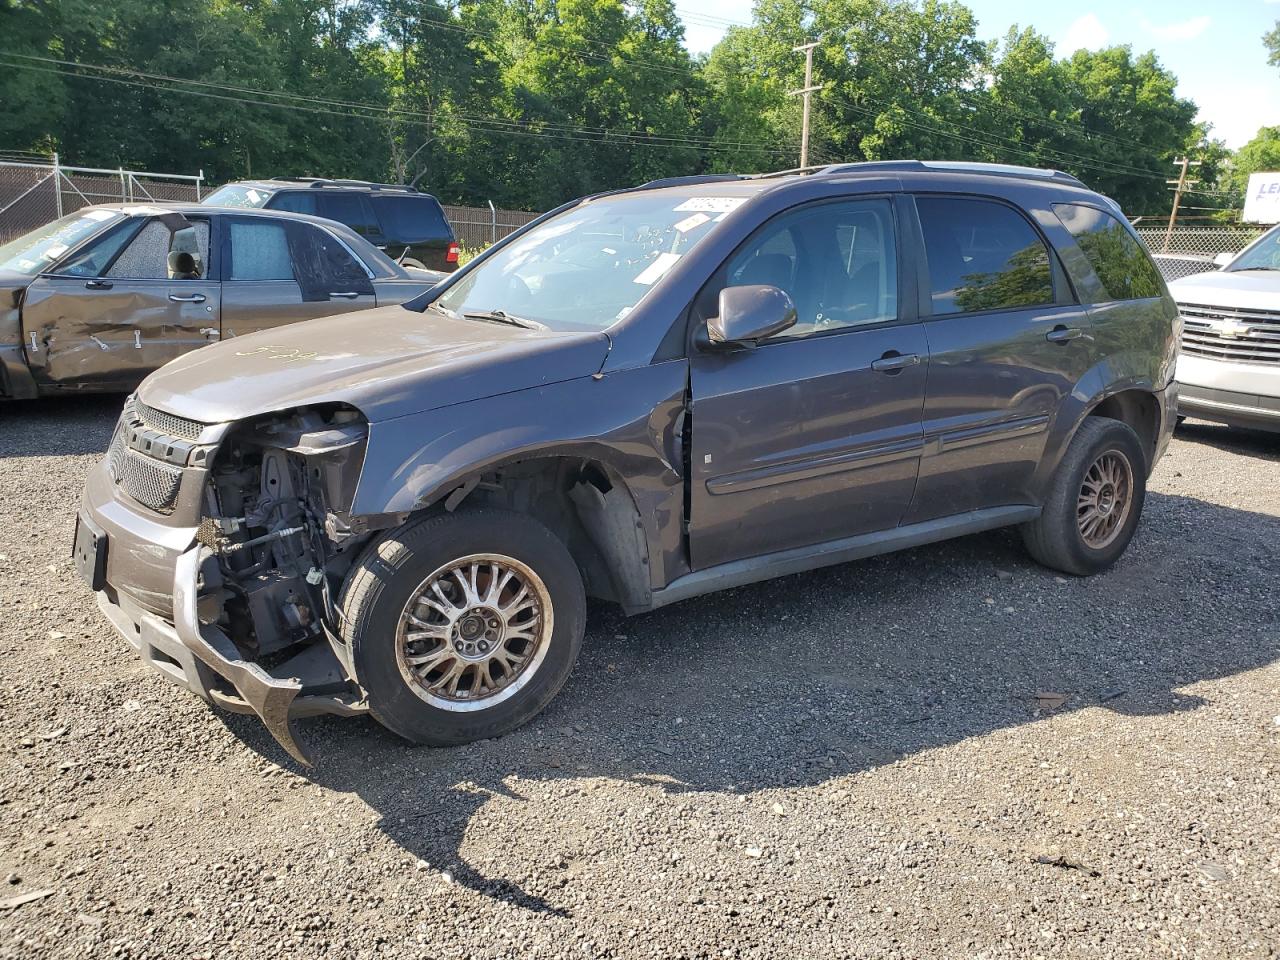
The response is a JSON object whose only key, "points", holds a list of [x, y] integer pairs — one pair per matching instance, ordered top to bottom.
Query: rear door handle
{"points": [[98, 284], [344, 295], [191, 298], [1061, 334], [894, 362]]}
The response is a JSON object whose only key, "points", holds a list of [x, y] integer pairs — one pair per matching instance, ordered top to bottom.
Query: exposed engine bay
{"points": [[275, 518]]}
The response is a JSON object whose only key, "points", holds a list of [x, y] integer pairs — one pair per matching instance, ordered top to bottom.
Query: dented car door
{"points": [[151, 302]]}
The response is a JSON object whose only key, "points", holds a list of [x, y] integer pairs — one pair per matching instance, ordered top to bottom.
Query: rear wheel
{"points": [[411, 262], [1095, 502], [463, 626]]}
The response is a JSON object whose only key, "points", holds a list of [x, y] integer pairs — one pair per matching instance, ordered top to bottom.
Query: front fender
{"points": [[626, 420]]}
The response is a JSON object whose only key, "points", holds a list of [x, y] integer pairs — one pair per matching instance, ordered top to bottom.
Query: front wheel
{"points": [[1094, 503], [463, 626]]}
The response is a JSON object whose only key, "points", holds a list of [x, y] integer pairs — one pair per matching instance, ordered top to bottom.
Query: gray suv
{"points": [[642, 396]]}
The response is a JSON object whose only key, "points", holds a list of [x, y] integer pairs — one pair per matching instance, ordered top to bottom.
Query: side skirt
{"points": [[738, 573]]}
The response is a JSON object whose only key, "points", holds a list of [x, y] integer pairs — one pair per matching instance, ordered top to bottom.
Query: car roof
{"points": [[326, 183], [186, 207]]}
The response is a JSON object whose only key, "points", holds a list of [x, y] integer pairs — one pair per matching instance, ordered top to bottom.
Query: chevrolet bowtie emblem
{"points": [[1231, 329]]}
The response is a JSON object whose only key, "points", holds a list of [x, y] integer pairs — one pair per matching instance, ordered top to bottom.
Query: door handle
{"points": [[98, 284], [344, 295], [190, 298], [1063, 334], [894, 362]]}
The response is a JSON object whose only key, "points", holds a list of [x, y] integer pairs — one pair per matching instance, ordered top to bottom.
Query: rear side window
{"points": [[295, 202], [352, 209], [409, 219], [259, 251], [982, 256], [1123, 267]]}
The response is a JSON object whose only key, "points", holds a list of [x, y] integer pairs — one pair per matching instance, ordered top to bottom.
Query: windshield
{"points": [[237, 195], [36, 251], [1263, 255], [588, 267]]}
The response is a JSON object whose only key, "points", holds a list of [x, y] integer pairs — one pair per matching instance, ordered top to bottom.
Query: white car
{"points": [[1229, 367]]}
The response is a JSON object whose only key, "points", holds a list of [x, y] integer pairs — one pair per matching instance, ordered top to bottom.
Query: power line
{"points": [[381, 114]]}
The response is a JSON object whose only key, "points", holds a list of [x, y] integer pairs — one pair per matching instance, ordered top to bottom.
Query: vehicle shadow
{"points": [[58, 426], [1248, 443], [796, 681]]}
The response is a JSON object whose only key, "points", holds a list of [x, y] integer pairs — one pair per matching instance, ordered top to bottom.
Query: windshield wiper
{"points": [[501, 316]]}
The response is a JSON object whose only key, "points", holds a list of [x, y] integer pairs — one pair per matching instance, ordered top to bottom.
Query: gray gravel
{"points": [[874, 760]]}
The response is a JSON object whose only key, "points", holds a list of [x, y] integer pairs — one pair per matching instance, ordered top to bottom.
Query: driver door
{"points": [[123, 307], [815, 434]]}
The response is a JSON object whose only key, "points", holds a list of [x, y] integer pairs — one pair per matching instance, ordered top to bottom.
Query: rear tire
{"points": [[411, 262], [1095, 500], [463, 626]]}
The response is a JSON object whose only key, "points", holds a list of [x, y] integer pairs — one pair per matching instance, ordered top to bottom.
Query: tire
{"points": [[411, 262], [1056, 538], [392, 572]]}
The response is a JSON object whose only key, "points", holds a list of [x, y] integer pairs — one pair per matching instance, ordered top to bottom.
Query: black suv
{"points": [[410, 226], [642, 396]]}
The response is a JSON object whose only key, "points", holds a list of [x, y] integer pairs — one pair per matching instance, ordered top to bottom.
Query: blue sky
{"points": [[1215, 49]]}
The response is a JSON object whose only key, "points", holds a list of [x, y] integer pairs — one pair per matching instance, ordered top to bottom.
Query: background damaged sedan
{"points": [[97, 300], [642, 397]]}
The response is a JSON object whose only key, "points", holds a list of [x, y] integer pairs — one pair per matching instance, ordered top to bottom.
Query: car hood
{"points": [[1242, 289], [387, 362]]}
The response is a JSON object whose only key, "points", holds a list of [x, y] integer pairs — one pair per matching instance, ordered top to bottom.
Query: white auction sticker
{"points": [[255, 196], [711, 204], [99, 215], [692, 222], [654, 271]]}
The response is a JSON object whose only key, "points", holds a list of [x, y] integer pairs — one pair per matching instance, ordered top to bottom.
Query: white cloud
{"points": [[1184, 30], [1087, 33], [1236, 112]]}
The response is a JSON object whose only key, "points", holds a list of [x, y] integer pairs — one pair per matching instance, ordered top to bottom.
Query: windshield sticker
{"points": [[254, 196], [711, 204], [99, 215], [692, 222], [57, 250], [654, 271], [622, 314]]}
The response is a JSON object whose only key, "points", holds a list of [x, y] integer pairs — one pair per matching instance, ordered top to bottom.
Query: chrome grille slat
{"points": [[1228, 334]]}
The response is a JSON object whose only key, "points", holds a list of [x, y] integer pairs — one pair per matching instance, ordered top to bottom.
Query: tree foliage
{"points": [[531, 102]]}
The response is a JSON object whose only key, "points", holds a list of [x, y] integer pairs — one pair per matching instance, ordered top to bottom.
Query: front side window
{"points": [[237, 195], [295, 201], [259, 250], [37, 251], [164, 251], [1264, 254], [982, 256], [836, 261], [323, 265], [1122, 266], [586, 268]]}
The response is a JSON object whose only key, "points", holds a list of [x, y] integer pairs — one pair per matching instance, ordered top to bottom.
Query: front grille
{"points": [[1223, 333], [167, 423], [152, 483]]}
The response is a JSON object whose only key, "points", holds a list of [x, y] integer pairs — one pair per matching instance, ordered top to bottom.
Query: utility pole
{"points": [[806, 91], [1179, 185]]}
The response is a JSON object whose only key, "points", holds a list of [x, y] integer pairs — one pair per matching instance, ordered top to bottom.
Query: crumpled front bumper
{"points": [[152, 566]]}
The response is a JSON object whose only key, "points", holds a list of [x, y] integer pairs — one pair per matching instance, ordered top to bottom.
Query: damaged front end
{"points": [[272, 549]]}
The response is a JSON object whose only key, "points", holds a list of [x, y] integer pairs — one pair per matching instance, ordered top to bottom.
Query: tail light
{"points": [[452, 255]]}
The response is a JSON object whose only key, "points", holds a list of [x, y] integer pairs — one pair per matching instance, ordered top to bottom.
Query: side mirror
{"points": [[1224, 258], [750, 314]]}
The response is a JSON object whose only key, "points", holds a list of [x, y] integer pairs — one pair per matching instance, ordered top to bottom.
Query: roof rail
{"points": [[953, 166], [689, 181], [320, 182]]}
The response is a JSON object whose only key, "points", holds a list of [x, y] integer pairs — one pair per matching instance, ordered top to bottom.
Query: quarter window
{"points": [[259, 251], [982, 256], [836, 261], [1122, 266]]}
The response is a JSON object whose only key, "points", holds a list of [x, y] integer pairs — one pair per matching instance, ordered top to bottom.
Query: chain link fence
{"points": [[32, 194], [478, 227], [1189, 250]]}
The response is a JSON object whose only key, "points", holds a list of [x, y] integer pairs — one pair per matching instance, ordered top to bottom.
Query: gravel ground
{"points": [[854, 762]]}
